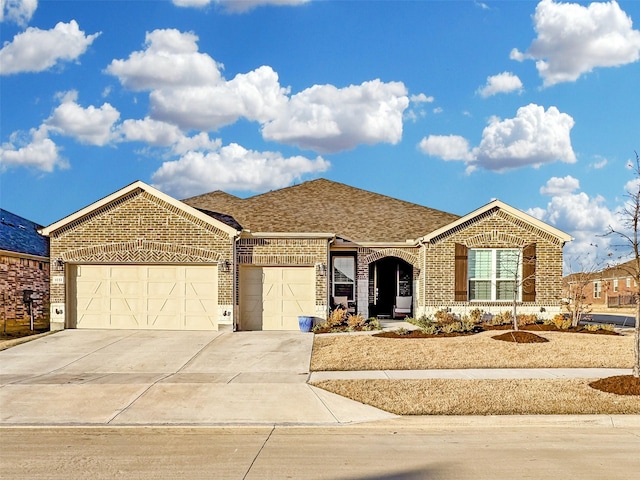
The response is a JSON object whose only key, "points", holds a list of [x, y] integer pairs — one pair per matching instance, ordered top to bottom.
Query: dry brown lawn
{"points": [[564, 350], [477, 397]]}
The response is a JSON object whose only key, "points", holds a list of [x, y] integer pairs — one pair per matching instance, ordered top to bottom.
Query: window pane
{"points": [[480, 263], [507, 263], [344, 269], [344, 290], [480, 290], [504, 290]]}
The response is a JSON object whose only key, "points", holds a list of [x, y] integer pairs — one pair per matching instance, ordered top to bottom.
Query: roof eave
{"points": [[125, 191], [565, 237]]}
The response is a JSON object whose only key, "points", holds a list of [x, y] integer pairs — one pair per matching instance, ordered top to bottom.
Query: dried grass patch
{"points": [[564, 350], [484, 397]]}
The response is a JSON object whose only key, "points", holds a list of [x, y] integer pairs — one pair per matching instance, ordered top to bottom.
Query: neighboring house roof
{"points": [[497, 204], [326, 206], [209, 217], [19, 235]]}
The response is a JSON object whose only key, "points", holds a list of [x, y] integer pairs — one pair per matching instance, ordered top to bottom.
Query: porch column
{"points": [[363, 296]]}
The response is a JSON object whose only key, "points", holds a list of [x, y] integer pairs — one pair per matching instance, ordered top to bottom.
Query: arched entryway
{"points": [[389, 277]]}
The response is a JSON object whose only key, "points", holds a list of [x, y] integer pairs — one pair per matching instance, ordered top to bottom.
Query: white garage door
{"points": [[153, 297], [272, 298]]}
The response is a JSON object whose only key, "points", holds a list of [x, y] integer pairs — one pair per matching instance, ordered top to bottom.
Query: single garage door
{"points": [[152, 297], [272, 298]]}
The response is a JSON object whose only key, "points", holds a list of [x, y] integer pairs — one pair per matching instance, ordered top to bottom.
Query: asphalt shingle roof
{"points": [[324, 206], [20, 235]]}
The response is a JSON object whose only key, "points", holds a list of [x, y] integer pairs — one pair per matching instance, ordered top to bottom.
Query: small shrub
{"points": [[475, 315], [336, 317], [443, 317], [502, 318], [525, 319], [354, 321], [560, 321], [421, 322], [372, 324], [457, 327], [594, 327], [430, 329]]}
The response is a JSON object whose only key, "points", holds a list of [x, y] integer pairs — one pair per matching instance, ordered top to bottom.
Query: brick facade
{"points": [[141, 228], [493, 229], [23, 272]]}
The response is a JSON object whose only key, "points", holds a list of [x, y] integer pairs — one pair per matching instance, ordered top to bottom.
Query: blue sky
{"points": [[448, 104]]}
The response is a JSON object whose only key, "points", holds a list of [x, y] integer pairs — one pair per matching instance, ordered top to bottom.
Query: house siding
{"points": [[140, 228], [494, 229]]}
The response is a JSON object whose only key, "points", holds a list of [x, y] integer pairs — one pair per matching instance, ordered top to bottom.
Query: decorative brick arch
{"points": [[494, 238], [141, 251], [392, 252]]}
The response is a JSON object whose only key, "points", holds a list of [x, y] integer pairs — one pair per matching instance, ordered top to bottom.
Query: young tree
{"points": [[629, 235], [576, 289]]}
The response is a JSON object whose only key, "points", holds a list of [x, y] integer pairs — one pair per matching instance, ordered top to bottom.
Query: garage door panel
{"points": [[145, 297], [272, 298]]}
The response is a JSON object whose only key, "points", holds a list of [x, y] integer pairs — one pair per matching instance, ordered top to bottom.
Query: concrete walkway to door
{"points": [[133, 377]]}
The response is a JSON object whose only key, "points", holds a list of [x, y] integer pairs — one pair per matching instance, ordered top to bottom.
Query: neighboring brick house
{"points": [[141, 259], [24, 270], [612, 287]]}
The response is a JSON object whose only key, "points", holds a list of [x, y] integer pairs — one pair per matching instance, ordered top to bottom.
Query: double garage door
{"points": [[152, 297], [272, 298]]}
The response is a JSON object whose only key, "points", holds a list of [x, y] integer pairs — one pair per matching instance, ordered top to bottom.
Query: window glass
{"points": [[494, 273], [344, 275]]}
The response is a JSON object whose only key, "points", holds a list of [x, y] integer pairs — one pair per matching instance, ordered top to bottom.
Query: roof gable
{"points": [[138, 185], [497, 204], [325, 206], [19, 235]]}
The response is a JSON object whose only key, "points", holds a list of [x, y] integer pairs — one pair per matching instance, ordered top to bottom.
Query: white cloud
{"points": [[238, 6], [17, 11], [574, 39], [35, 50], [171, 59], [504, 82], [256, 96], [421, 98], [328, 119], [87, 125], [149, 131], [533, 138], [447, 147], [38, 152], [232, 167], [560, 186], [584, 218]]}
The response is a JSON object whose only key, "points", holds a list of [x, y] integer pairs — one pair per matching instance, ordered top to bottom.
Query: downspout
{"points": [[327, 276], [235, 280]]}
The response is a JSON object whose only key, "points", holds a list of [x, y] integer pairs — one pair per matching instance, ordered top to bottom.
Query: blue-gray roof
{"points": [[20, 235]]}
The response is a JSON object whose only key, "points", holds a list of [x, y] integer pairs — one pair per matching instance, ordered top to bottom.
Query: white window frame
{"points": [[333, 276], [493, 279], [628, 282], [615, 284], [597, 289]]}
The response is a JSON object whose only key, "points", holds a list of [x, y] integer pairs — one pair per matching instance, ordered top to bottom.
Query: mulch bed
{"points": [[541, 327], [419, 334], [520, 337], [620, 385]]}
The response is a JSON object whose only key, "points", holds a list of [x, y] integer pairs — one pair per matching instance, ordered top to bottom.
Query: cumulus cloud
{"points": [[238, 6], [17, 11], [574, 39], [35, 50], [171, 59], [504, 82], [187, 89], [329, 119], [87, 125], [533, 138], [447, 147], [38, 151], [232, 167], [560, 186], [583, 217]]}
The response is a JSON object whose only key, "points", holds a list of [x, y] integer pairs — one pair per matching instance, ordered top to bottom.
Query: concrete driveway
{"points": [[125, 377]]}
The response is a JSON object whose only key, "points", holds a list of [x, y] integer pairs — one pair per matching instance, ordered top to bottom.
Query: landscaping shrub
{"points": [[560, 321]]}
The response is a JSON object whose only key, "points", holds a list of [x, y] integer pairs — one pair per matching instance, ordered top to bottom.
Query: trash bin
{"points": [[306, 323]]}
